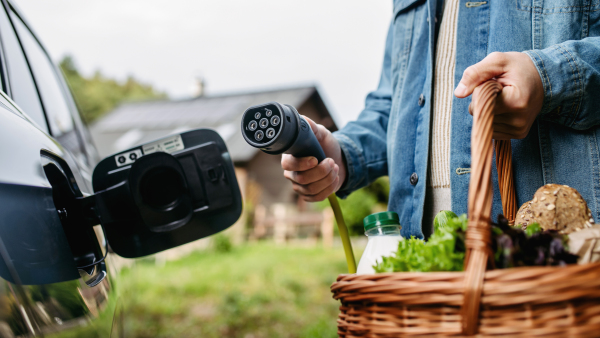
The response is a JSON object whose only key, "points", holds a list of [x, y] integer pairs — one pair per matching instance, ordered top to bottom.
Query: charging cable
{"points": [[343, 230]]}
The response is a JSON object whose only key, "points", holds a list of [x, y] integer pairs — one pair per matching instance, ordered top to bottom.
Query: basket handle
{"points": [[506, 180], [478, 239]]}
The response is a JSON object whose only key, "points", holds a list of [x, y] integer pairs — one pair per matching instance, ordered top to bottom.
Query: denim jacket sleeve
{"points": [[570, 73], [364, 141]]}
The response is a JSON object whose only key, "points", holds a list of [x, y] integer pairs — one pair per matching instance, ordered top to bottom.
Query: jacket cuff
{"points": [[562, 81], [356, 171]]}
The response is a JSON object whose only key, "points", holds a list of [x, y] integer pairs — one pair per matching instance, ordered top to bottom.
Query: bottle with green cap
{"points": [[383, 231]]}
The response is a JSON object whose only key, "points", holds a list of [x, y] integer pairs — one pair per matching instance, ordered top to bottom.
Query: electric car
{"points": [[66, 217]]}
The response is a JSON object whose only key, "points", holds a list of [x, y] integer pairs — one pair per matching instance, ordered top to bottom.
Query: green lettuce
{"points": [[444, 251]]}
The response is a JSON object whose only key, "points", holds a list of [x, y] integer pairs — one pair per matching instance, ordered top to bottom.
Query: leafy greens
{"points": [[445, 249]]}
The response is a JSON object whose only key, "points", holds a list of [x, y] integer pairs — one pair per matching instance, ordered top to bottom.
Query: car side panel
{"points": [[41, 290]]}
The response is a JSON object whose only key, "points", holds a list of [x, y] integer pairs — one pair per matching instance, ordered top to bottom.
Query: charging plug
{"points": [[278, 128]]}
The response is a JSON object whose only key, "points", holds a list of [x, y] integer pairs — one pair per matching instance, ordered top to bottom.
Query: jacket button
{"points": [[421, 100], [414, 178]]}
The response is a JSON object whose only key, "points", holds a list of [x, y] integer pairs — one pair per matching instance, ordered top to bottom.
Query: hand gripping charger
{"points": [[278, 128]]}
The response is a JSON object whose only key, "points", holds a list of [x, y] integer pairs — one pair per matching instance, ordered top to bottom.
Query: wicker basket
{"points": [[518, 302]]}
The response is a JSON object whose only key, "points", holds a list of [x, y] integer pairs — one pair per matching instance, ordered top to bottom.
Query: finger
{"points": [[491, 66], [513, 98], [510, 117], [516, 121], [312, 124], [318, 130], [505, 132], [501, 136], [291, 163], [311, 175], [316, 187], [326, 192]]}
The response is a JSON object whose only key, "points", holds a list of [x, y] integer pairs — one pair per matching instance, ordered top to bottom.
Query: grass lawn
{"points": [[253, 291]]}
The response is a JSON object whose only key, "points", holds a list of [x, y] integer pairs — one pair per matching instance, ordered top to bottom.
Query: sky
{"points": [[234, 45]]}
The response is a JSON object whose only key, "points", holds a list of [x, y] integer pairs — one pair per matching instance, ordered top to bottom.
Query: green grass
{"points": [[251, 291]]}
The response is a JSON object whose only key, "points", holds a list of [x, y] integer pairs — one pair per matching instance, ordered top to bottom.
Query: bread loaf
{"points": [[556, 207]]}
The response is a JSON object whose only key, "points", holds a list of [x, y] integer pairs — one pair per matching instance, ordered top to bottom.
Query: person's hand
{"points": [[521, 99], [315, 181]]}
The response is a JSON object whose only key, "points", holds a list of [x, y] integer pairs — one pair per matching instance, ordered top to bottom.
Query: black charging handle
{"points": [[278, 128]]}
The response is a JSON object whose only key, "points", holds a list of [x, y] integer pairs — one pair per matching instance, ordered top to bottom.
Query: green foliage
{"points": [[97, 95], [380, 188], [362, 203], [355, 208], [221, 243], [444, 251]]}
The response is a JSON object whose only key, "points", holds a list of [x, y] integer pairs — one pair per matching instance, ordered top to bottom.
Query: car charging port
{"points": [[78, 218]]}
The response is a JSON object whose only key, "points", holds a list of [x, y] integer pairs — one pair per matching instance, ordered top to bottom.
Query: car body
{"points": [[58, 269]]}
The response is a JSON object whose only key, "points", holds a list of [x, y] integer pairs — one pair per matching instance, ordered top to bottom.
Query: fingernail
{"points": [[460, 90], [312, 162], [331, 162]]}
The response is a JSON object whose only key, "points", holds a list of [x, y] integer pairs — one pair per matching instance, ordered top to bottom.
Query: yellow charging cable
{"points": [[343, 230]]}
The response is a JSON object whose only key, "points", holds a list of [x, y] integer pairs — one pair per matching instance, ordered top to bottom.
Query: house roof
{"points": [[140, 122]]}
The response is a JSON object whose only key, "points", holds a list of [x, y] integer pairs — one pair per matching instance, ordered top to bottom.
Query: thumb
{"points": [[491, 66], [313, 126]]}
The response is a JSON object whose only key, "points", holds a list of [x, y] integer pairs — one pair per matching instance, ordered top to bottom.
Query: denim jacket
{"points": [[391, 135]]}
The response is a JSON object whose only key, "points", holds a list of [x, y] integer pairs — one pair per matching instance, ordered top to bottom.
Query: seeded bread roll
{"points": [[556, 207]]}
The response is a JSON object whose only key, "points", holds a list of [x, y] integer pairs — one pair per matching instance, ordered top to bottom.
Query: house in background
{"points": [[259, 175]]}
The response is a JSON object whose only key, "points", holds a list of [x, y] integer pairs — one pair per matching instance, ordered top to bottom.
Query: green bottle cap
{"points": [[381, 218]]}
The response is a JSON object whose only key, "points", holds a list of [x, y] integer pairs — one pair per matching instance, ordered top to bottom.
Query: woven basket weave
{"points": [[518, 302]]}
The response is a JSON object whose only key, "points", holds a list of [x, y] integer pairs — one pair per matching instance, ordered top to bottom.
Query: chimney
{"points": [[199, 87]]}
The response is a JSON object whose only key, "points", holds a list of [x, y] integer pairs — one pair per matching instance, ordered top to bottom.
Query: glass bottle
{"points": [[383, 232]]}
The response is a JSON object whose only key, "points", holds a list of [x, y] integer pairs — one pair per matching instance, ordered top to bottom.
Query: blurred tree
{"points": [[98, 95], [361, 203]]}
